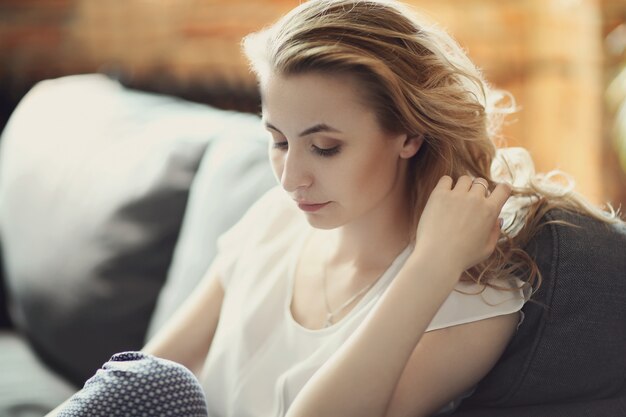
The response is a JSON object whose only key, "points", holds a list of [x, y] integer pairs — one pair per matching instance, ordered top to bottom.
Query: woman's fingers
{"points": [[445, 183], [464, 183], [480, 186], [500, 194], [462, 218]]}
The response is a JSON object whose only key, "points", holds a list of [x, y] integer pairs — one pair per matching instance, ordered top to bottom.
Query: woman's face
{"points": [[328, 150]]}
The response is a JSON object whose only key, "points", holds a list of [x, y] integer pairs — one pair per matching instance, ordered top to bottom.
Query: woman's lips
{"points": [[312, 207]]}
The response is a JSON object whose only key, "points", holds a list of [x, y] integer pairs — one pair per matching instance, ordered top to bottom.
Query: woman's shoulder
{"points": [[272, 200], [274, 211], [270, 215], [271, 220], [471, 302]]}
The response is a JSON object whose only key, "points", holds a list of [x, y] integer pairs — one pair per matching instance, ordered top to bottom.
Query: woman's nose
{"points": [[295, 173]]}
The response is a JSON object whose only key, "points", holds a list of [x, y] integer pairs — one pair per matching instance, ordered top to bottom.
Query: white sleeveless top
{"points": [[260, 357]]}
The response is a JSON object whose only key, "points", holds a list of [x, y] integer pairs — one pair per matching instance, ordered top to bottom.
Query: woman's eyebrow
{"points": [[320, 127]]}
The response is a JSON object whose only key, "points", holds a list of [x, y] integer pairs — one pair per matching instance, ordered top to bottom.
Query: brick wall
{"points": [[614, 31], [548, 53]]}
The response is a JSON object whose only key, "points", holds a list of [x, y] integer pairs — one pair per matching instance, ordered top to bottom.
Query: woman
{"points": [[378, 279]]}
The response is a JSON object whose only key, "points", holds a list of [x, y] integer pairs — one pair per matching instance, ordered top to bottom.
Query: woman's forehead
{"points": [[313, 93], [299, 112]]}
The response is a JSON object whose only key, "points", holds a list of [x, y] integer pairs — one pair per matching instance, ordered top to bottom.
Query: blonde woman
{"points": [[384, 275]]}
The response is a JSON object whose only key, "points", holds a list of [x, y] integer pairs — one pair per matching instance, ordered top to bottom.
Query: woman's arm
{"points": [[458, 229], [187, 336], [448, 362]]}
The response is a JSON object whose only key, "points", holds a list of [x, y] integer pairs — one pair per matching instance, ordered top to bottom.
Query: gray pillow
{"points": [[234, 172], [94, 181]]}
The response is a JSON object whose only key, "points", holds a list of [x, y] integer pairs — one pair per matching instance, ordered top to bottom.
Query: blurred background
{"points": [[563, 60]]}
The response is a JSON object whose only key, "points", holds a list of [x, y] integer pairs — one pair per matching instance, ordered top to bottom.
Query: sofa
{"points": [[111, 201]]}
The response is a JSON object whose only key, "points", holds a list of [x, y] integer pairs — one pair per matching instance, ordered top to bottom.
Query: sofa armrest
{"points": [[567, 357], [28, 387], [607, 407]]}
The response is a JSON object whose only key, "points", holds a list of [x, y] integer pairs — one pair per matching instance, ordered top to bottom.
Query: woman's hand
{"points": [[460, 224]]}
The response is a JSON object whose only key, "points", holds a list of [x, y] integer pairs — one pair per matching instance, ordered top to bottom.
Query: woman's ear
{"points": [[411, 145]]}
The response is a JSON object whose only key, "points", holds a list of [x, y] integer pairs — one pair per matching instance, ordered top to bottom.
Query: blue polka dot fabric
{"points": [[135, 384]]}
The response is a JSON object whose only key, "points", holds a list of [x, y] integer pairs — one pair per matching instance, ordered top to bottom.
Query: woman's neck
{"points": [[375, 239]]}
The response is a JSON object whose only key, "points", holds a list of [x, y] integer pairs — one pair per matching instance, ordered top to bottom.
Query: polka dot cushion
{"points": [[135, 384]]}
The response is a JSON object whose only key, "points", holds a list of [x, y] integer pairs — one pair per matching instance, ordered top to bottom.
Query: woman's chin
{"points": [[321, 222]]}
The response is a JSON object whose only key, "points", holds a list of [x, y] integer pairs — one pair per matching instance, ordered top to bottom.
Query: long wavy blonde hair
{"points": [[420, 82]]}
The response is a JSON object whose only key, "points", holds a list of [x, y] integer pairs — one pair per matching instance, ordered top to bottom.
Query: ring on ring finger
{"points": [[479, 182]]}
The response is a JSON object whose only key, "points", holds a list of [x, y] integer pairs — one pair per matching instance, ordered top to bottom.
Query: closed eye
{"points": [[327, 152]]}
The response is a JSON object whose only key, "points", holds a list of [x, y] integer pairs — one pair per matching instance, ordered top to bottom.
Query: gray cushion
{"points": [[235, 171], [94, 180], [28, 388]]}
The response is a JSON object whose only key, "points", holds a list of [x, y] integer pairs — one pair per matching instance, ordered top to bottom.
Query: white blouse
{"points": [[260, 357]]}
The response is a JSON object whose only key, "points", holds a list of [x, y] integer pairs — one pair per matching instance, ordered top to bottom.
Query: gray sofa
{"points": [[110, 204]]}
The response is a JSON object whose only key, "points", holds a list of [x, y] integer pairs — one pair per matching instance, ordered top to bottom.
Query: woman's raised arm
{"points": [[458, 228]]}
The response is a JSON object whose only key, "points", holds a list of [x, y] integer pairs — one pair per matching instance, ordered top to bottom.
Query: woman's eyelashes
{"points": [[326, 152]]}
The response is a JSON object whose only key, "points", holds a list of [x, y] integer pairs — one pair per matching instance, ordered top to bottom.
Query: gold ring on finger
{"points": [[476, 181]]}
